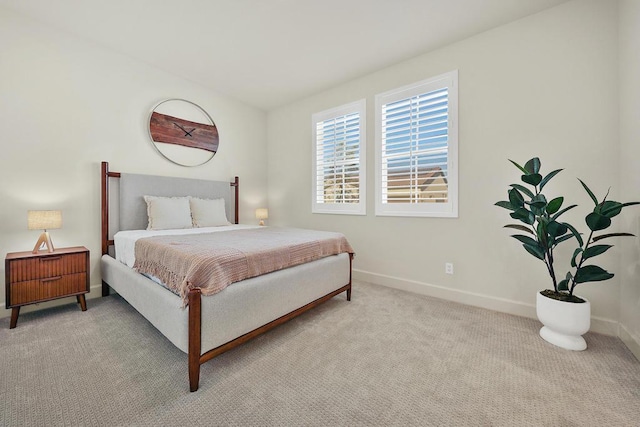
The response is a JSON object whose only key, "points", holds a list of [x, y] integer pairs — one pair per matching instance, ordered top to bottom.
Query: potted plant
{"points": [[565, 316]]}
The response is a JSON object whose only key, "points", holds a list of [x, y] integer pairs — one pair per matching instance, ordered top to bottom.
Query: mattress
{"points": [[125, 241]]}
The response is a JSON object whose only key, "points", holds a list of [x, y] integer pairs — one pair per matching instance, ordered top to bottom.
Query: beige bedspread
{"points": [[212, 261]]}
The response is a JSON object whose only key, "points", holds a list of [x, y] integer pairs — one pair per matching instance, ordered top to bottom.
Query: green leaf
{"points": [[533, 166], [519, 167], [548, 178], [532, 179], [524, 189], [593, 197], [516, 198], [538, 201], [505, 204], [540, 205], [554, 205], [610, 208], [614, 208], [538, 211], [523, 215], [555, 216], [597, 222], [519, 227], [556, 229], [541, 232], [575, 233], [605, 236], [563, 238], [526, 240], [530, 245], [595, 250], [535, 251], [575, 255], [592, 273], [563, 285]]}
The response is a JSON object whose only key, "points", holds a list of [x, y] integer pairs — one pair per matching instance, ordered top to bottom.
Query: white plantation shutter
{"points": [[416, 149], [338, 160]]}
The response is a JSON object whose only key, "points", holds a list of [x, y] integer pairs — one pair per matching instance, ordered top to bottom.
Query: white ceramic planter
{"points": [[564, 322]]}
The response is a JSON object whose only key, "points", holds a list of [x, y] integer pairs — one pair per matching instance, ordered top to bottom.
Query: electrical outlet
{"points": [[448, 268]]}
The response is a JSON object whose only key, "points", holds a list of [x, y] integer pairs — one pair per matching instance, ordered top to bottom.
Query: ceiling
{"points": [[268, 53]]}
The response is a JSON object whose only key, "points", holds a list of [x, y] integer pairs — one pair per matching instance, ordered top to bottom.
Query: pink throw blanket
{"points": [[212, 261]]}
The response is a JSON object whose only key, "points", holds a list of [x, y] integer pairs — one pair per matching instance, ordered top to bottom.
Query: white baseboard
{"points": [[95, 291], [503, 305], [600, 325], [631, 341]]}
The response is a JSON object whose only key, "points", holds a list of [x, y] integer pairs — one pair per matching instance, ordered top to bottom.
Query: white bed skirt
{"points": [[238, 309]]}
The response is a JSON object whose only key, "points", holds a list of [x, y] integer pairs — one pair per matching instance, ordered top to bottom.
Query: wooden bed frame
{"points": [[195, 356]]}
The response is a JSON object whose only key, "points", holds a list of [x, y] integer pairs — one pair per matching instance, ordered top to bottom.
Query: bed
{"points": [[205, 326]]}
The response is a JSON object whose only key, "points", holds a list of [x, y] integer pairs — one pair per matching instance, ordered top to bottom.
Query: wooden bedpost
{"points": [[104, 181], [236, 184], [104, 187], [105, 217], [350, 274], [195, 338]]}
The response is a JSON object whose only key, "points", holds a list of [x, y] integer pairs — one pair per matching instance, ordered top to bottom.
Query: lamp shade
{"points": [[262, 213], [44, 220]]}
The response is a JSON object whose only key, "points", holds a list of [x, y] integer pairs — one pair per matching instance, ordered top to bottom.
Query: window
{"points": [[417, 149], [339, 160]]}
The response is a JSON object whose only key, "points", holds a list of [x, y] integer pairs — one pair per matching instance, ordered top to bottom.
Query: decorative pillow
{"points": [[168, 212], [208, 212]]}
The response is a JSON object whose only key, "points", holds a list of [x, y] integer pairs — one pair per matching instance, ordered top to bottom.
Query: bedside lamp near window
{"points": [[262, 214], [44, 220]]}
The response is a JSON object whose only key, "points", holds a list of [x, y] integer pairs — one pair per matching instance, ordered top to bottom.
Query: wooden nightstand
{"points": [[33, 278]]}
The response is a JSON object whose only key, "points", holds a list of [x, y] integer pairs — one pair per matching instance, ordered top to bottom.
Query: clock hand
{"points": [[179, 126], [186, 132]]}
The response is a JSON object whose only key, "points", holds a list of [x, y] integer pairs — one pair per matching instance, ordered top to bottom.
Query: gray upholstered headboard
{"points": [[133, 187], [124, 208]]}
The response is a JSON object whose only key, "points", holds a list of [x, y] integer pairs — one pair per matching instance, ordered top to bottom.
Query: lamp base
{"points": [[44, 241]]}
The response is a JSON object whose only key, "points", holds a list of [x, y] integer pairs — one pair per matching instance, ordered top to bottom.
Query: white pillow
{"points": [[168, 212], [208, 212]]}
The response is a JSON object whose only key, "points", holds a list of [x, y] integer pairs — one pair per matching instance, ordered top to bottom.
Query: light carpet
{"points": [[386, 358]]}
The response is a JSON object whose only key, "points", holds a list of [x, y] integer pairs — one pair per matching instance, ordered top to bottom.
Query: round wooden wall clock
{"points": [[183, 132]]}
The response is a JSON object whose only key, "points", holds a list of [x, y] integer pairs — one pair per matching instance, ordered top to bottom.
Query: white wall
{"points": [[543, 86], [67, 104], [629, 177]]}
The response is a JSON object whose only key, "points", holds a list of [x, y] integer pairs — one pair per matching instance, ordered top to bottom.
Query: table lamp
{"points": [[262, 214], [44, 220]]}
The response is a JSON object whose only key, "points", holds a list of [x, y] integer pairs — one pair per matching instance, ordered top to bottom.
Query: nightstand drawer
{"points": [[47, 266], [31, 291]]}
